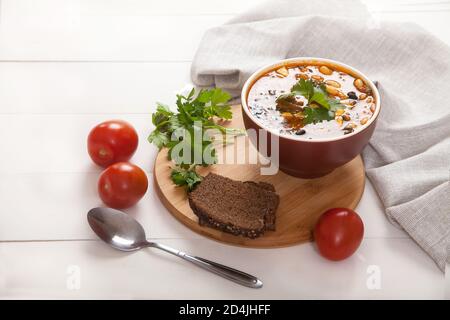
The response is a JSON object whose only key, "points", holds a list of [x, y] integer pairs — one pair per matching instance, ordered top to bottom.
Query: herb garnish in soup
{"points": [[311, 102]]}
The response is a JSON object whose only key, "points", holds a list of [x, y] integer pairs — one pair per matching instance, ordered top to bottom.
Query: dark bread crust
{"points": [[240, 208]]}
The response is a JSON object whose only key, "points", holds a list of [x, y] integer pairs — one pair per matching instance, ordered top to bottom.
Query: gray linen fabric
{"points": [[408, 158]]}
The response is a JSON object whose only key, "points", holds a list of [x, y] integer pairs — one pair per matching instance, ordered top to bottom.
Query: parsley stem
{"points": [[161, 124]]}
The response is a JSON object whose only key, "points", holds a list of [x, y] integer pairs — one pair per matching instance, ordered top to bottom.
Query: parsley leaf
{"points": [[303, 88], [215, 97], [320, 97], [335, 105], [320, 106], [223, 112], [196, 113], [314, 115], [158, 138], [185, 177]]}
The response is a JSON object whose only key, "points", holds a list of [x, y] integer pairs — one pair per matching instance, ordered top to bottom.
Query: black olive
{"points": [[272, 92], [352, 95], [347, 131], [300, 132]]}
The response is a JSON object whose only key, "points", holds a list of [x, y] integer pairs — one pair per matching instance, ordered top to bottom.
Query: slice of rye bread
{"points": [[241, 208]]}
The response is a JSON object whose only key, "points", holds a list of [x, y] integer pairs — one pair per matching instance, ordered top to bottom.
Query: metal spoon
{"points": [[124, 233]]}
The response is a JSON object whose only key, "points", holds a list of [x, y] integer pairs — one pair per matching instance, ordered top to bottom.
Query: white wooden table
{"points": [[67, 65]]}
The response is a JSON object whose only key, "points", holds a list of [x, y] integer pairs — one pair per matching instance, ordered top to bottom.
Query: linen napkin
{"points": [[408, 158]]}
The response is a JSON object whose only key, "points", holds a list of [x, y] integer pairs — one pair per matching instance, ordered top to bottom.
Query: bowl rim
{"points": [[313, 60]]}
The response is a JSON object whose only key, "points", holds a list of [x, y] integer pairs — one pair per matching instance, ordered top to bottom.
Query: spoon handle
{"points": [[237, 276]]}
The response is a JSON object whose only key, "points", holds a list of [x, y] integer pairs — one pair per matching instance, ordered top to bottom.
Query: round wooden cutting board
{"points": [[301, 201]]}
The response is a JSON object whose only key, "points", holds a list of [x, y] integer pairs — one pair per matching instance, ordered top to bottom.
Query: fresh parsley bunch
{"points": [[320, 106], [195, 113]]}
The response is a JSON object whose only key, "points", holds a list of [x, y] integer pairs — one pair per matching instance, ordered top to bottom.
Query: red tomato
{"points": [[112, 141], [121, 185], [338, 233]]}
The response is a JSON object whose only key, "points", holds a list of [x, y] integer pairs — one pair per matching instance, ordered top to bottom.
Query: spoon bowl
{"points": [[117, 229]]}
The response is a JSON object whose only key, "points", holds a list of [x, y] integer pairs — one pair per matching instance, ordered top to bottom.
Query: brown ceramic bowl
{"points": [[319, 157]]}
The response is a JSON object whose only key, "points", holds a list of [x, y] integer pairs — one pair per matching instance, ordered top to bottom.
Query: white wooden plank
{"points": [[406, 5], [127, 7], [176, 7], [436, 22], [66, 31], [89, 37], [64, 88], [58, 143], [46, 162], [57, 203], [56, 206], [44, 270], [447, 281]]}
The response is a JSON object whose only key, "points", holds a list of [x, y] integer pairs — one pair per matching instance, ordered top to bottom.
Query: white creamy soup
{"points": [[311, 102]]}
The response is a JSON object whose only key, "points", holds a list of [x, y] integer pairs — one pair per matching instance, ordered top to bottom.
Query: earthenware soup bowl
{"points": [[310, 158]]}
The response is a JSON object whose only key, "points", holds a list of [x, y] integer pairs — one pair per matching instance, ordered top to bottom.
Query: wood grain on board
{"points": [[301, 200]]}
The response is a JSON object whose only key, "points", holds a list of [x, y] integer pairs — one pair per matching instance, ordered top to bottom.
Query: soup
{"points": [[311, 102]]}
